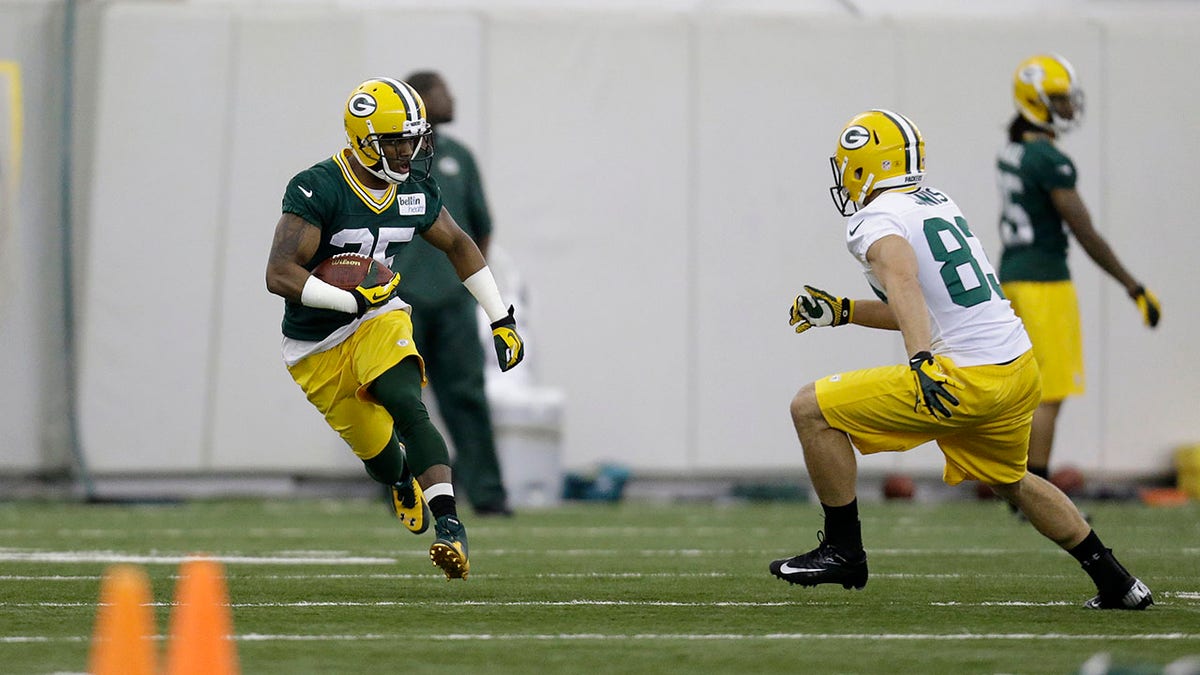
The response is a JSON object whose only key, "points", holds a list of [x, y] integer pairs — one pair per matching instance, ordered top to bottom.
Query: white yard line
{"points": [[9, 555], [578, 602], [730, 637]]}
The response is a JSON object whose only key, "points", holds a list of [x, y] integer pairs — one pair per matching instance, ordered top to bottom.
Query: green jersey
{"points": [[353, 219], [1035, 241], [428, 277]]}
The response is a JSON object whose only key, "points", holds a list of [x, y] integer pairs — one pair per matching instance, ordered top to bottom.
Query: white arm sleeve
{"points": [[483, 286], [322, 295]]}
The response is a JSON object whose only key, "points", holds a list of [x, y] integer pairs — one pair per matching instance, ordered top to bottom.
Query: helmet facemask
{"points": [[373, 153], [846, 205]]}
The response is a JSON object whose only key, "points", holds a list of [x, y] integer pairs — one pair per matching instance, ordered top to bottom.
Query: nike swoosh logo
{"points": [[307, 193], [851, 231], [788, 569]]}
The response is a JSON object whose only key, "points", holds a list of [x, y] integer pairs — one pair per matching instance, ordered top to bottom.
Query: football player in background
{"points": [[1038, 198], [444, 314], [352, 351], [971, 382]]}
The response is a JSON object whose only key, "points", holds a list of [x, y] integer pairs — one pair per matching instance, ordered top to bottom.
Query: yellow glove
{"points": [[374, 296], [1147, 303], [819, 308], [509, 347]]}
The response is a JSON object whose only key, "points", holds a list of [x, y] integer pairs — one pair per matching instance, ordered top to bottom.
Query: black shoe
{"points": [[493, 509], [825, 564], [1137, 596]]}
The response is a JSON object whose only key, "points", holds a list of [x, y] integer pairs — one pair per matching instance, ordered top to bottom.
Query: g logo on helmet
{"points": [[1033, 73], [362, 104], [854, 137]]}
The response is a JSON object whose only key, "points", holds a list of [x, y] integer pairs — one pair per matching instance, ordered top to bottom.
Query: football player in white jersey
{"points": [[971, 383]]}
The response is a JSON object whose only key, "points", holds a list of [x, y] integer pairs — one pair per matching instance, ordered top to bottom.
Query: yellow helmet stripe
{"points": [[912, 159]]}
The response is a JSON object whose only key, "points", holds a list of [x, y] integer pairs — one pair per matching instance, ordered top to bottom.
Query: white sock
{"points": [[438, 490]]}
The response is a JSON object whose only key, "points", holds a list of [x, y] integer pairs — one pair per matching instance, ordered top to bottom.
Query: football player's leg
{"points": [[328, 381], [398, 390], [367, 428], [1041, 437], [828, 455], [833, 470], [405, 496], [1052, 514]]}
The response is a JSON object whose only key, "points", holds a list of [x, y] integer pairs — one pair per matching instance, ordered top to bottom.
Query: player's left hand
{"points": [[1147, 303], [819, 308], [510, 349], [931, 385]]}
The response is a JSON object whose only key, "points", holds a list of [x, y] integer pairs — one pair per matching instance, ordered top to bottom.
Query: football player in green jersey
{"points": [[1040, 206], [352, 351]]}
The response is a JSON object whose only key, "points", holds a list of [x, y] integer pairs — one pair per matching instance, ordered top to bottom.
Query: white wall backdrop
{"points": [[660, 176]]}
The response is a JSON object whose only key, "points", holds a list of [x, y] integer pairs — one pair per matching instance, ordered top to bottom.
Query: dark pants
{"points": [[447, 337]]}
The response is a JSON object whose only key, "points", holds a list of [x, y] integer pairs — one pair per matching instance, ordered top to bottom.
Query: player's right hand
{"points": [[374, 296], [1147, 303], [819, 308], [931, 385]]}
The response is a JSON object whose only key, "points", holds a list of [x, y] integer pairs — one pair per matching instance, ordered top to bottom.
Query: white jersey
{"points": [[970, 320]]}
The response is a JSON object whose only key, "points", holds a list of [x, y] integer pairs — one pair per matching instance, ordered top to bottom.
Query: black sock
{"points": [[443, 505], [842, 528], [1110, 577]]}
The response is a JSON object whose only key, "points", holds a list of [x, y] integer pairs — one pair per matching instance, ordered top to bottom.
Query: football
{"points": [[350, 270], [1068, 479], [899, 486]]}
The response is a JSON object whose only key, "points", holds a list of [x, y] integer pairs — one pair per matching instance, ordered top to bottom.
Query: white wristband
{"points": [[483, 286], [322, 295]]}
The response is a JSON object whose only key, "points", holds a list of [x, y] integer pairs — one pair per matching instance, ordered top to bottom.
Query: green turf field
{"points": [[328, 586]]}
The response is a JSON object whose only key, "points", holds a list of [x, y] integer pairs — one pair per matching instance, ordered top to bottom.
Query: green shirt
{"points": [[353, 219], [1035, 240], [426, 276]]}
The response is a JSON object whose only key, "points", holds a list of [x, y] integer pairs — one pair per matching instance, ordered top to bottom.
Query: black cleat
{"points": [[825, 564], [1136, 597]]}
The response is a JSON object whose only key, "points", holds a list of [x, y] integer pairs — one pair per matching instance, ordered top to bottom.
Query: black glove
{"points": [[509, 347], [931, 385]]}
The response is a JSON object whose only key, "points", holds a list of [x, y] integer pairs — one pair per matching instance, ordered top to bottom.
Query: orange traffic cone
{"points": [[201, 627], [123, 642]]}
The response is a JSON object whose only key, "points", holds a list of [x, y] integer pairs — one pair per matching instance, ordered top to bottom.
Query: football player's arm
{"points": [[1070, 206], [449, 238], [295, 243], [462, 251], [895, 265], [874, 314]]}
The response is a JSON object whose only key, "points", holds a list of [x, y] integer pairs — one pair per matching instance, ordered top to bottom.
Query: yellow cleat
{"points": [[408, 501], [449, 550]]}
